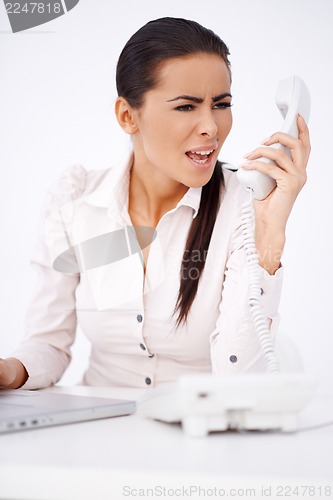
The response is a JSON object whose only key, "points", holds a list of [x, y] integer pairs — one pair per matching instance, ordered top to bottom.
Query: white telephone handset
{"points": [[292, 97]]}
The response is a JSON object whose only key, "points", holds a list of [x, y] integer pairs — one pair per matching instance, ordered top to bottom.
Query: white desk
{"points": [[115, 458]]}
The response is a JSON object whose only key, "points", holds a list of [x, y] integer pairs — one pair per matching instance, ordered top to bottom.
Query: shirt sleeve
{"points": [[51, 317], [235, 346]]}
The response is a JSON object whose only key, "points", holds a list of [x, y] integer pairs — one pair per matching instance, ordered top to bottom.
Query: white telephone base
{"points": [[205, 403]]}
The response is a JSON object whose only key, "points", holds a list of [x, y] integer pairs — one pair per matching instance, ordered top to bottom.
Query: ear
{"points": [[126, 116]]}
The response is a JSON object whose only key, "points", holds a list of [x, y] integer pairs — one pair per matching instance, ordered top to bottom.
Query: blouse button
{"points": [[139, 318], [143, 347], [233, 358], [148, 381]]}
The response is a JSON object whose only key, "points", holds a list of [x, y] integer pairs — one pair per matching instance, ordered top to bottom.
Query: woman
{"points": [[149, 257]]}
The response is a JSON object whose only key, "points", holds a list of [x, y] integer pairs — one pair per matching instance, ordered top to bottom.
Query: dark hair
{"points": [[137, 72]]}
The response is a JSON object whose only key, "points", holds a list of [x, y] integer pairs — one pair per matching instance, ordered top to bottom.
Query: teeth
{"points": [[203, 152], [201, 161]]}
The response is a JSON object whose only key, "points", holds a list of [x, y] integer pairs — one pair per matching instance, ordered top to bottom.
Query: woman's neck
{"points": [[152, 194]]}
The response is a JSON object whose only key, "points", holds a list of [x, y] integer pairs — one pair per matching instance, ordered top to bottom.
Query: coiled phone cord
{"points": [[260, 322]]}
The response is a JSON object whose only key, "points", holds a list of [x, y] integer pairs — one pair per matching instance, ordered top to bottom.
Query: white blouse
{"points": [[85, 278]]}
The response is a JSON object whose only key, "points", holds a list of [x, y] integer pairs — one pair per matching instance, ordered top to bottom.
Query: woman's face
{"points": [[185, 120]]}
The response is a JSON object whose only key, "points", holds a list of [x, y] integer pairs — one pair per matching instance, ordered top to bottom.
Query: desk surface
{"points": [[122, 457]]}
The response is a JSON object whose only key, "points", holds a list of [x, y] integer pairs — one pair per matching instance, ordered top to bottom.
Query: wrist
{"points": [[270, 249], [270, 266]]}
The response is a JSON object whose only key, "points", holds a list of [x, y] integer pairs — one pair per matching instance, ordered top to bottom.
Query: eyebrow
{"points": [[199, 100]]}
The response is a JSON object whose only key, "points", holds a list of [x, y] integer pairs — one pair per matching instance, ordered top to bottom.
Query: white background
{"points": [[56, 109]]}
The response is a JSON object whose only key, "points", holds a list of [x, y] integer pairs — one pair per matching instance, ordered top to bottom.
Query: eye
{"points": [[222, 105], [185, 107]]}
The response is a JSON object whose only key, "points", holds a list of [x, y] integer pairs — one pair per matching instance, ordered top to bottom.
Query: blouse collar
{"points": [[114, 194]]}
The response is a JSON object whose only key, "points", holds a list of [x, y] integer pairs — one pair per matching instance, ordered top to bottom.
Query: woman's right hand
{"points": [[12, 373]]}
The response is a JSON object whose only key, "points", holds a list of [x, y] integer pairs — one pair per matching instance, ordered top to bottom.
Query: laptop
{"points": [[21, 409]]}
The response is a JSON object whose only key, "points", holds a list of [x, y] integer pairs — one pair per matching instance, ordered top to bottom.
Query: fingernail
{"points": [[299, 114], [266, 140], [248, 154], [245, 165]]}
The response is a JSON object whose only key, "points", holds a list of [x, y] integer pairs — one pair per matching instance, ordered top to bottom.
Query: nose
{"points": [[207, 125]]}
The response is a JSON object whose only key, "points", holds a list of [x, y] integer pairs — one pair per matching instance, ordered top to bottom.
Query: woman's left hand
{"points": [[289, 172]]}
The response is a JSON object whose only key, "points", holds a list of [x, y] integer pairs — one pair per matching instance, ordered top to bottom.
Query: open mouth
{"points": [[200, 157]]}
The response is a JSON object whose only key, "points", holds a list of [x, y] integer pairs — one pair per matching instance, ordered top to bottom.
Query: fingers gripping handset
{"points": [[292, 97]]}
